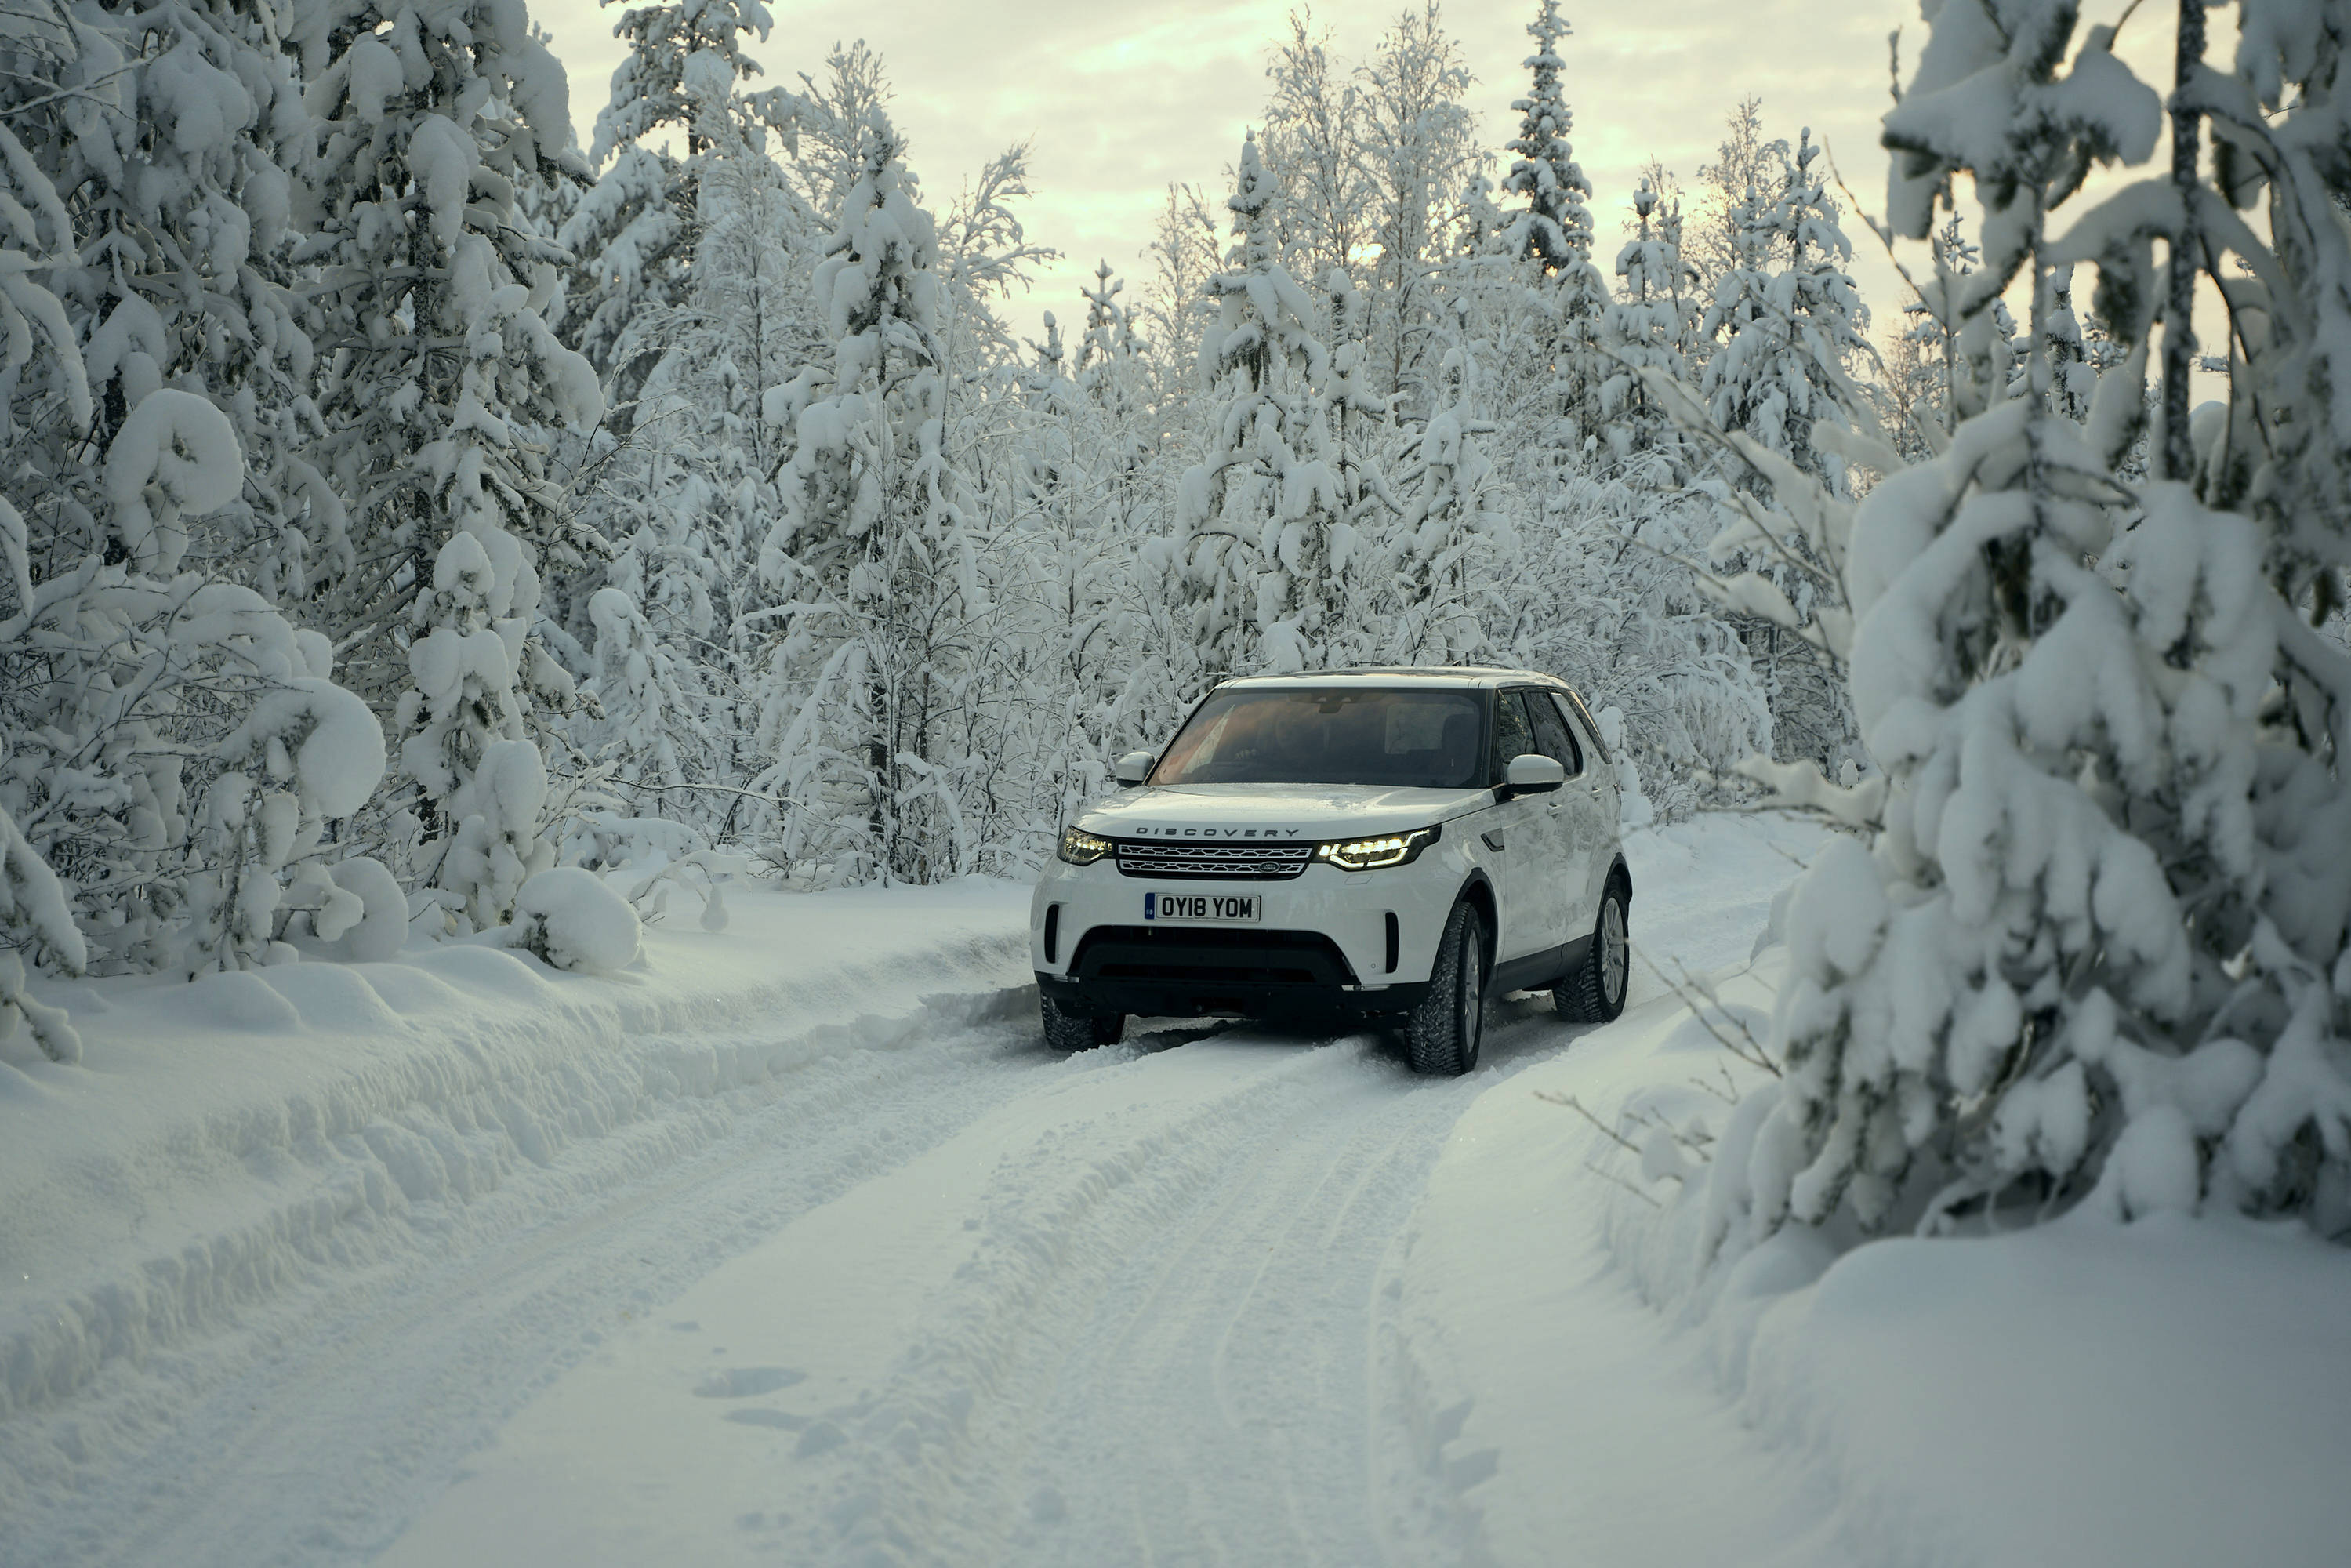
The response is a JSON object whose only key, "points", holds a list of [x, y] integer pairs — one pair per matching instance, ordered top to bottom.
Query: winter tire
{"points": [[1594, 993], [1066, 1031], [1442, 1035]]}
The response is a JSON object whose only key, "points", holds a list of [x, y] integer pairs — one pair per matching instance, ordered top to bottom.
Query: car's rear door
{"points": [[1597, 801], [1573, 811], [1535, 909]]}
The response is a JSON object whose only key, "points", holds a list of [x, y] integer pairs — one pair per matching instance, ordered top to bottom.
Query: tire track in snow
{"points": [[1128, 1314], [1240, 1350], [310, 1431]]}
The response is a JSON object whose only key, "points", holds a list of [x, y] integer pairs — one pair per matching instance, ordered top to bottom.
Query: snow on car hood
{"points": [[1304, 811]]}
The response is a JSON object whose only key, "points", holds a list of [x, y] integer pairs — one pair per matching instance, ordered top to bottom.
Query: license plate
{"points": [[1204, 908]]}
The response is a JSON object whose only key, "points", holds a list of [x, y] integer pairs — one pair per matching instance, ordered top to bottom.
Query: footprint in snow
{"points": [[742, 1382], [760, 1416]]}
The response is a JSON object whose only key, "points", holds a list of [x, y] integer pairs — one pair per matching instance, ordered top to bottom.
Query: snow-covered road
{"points": [[946, 1299], [1132, 1312]]}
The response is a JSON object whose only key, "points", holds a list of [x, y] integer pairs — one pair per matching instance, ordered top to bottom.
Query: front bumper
{"points": [[1330, 941], [1190, 972]]}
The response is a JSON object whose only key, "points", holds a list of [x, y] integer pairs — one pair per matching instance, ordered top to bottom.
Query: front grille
{"points": [[1223, 862], [1201, 959]]}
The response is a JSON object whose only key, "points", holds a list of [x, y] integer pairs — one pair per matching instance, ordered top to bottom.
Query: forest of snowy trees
{"points": [[402, 502]]}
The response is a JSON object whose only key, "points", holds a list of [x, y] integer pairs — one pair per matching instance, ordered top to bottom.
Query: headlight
{"points": [[1080, 847], [1371, 854]]}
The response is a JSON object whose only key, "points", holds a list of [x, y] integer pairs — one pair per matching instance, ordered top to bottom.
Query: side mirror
{"points": [[1135, 767], [1532, 774]]}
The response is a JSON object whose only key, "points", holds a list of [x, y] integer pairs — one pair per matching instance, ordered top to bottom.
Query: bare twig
{"points": [[1699, 997], [1727, 1094], [1572, 1103], [1698, 1143], [1608, 1176]]}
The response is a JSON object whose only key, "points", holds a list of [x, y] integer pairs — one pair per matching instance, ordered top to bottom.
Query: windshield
{"points": [[1402, 740]]}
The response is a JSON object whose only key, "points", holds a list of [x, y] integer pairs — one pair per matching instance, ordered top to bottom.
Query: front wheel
{"points": [[1595, 992], [1067, 1030], [1442, 1035]]}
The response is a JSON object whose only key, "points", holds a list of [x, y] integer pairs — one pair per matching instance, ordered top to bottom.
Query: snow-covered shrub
{"points": [[1605, 597], [639, 687], [464, 741], [307, 752], [1634, 809], [601, 841], [650, 894], [360, 918], [569, 919], [34, 920]]}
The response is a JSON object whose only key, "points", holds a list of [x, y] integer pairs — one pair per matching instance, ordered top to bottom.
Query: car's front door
{"points": [[1534, 910]]}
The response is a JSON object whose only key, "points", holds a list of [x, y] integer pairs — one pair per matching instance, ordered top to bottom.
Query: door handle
{"points": [[1493, 840]]}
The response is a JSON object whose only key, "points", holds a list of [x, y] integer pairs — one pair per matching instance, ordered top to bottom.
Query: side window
{"points": [[1590, 729], [1553, 734], [1514, 735]]}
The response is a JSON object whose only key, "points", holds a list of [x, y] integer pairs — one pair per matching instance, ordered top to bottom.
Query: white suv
{"points": [[1395, 845]]}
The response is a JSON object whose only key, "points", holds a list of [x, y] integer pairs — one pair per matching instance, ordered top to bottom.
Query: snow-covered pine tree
{"points": [[833, 115], [1312, 146], [173, 149], [1418, 149], [1745, 160], [1555, 226], [1553, 231], [634, 233], [1790, 322], [1789, 326], [1648, 328], [1110, 367], [2072, 377], [443, 384], [2277, 454], [1065, 488], [687, 492], [1267, 556], [870, 560], [1444, 582], [652, 715], [160, 730], [2064, 975]]}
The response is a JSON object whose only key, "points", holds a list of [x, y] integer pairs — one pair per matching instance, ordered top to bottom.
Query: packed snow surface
{"points": [[790, 1243]]}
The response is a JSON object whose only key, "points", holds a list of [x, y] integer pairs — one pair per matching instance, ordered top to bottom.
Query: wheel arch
{"points": [[1620, 875], [1478, 893]]}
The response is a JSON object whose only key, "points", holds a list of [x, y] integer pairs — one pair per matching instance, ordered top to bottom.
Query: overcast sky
{"points": [[1120, 98]]}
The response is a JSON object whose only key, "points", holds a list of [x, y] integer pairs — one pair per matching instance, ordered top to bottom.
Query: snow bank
{"points": [[222, 1139], [2171, 1391], [1543, 1394]]}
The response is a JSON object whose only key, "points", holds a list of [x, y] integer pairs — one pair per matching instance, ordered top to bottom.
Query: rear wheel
{"points": [[1595, 992], [1068, 1031], [1442, 1035]]}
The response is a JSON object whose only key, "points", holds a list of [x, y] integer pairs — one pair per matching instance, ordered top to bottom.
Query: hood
{"points": [[1309, 812]]}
